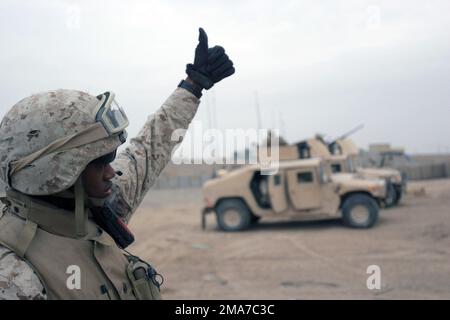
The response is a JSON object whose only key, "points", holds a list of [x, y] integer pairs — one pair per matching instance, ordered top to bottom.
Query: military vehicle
{"points": [[383, 155], [342, 157], [345, 158], [300, 190]]}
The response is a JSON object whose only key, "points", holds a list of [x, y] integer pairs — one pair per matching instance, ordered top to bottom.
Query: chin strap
{"points": [[80, 211], [104, 215]]}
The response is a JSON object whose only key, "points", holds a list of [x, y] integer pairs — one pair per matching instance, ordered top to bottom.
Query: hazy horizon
{"points": [[316, 67]]}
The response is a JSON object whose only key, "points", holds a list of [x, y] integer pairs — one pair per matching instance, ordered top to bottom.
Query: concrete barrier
{"points": [[426, 171], [413, 172]]}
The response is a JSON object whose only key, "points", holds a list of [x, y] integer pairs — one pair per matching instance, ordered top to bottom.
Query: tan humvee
{"points": [[342, 156], [345, 157], [301, 190]]}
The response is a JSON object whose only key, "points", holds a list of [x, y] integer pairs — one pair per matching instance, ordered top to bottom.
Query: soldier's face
{"points": [[97, 179]]}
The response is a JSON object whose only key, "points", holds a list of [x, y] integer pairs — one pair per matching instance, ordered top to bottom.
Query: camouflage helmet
{"points": [[48, 130]]}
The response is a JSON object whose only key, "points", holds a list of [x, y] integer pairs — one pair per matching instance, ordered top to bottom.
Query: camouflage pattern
{"points": [[35, 122], [150, 151], [140, 164], [17, 279]]}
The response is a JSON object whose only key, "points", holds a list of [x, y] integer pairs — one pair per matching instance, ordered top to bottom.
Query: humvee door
{"points": [[304, 188], [277, 192]]}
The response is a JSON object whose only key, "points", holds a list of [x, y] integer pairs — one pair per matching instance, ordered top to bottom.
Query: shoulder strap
{"points": [[50, 218], [29, 229], [26, 236]]}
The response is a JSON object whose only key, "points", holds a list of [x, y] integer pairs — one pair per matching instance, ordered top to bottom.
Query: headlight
{"points": [[379, 188]]}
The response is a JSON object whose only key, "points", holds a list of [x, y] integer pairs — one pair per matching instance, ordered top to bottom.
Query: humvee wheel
{"points": [[391, 196], [360, 211], [233, 215]]}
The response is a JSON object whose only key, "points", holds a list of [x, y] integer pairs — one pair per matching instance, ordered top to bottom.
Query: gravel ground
{"points": [[298, 260]]}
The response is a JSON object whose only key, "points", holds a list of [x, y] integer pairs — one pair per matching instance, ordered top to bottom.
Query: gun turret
{"points": [[332, 145]]}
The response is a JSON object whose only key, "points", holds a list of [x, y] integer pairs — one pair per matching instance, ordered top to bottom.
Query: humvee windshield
{"points": [[351, 165], [336, 168], [323, 174]]}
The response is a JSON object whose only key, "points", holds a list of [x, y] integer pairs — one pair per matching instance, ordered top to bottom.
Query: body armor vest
{"points": [[45, 237]]}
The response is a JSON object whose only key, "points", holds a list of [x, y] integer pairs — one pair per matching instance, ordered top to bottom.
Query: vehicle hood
{"points": [[392, 174]]}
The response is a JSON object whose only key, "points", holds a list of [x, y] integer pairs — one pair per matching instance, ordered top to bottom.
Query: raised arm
{"points": [[149, 152]]}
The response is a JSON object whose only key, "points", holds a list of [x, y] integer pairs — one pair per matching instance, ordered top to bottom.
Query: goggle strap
{"points": [[105, 100], [91, 134]]}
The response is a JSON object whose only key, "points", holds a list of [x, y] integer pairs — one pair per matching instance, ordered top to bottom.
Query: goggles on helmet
{"points": [[110, 114], [110, 121]]}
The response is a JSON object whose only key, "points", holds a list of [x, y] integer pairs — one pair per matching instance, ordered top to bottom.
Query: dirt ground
{"points": [[298, 260]]}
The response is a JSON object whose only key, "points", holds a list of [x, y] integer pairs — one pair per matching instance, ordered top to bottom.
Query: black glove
{"points": [[210, 64]]}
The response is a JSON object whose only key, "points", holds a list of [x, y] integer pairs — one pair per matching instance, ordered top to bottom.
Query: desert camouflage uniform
{"points": [[140, 164]]}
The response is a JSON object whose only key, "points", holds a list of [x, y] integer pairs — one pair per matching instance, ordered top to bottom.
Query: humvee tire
{"points": [[391, 196], [360, 211], [233, 215]]}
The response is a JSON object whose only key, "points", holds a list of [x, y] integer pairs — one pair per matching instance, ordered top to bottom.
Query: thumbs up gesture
{"points": [[210, 64]]}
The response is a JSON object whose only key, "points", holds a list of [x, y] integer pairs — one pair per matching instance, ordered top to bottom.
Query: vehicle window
{"points": [[336, 149], [304, 150], [305, 154], [356, 163], [351, 166], [336, 168], [323, 175], [305, 177], [277, 179]]}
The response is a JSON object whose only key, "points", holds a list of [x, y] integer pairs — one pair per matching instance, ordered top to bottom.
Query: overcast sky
{"points": [[317, 66]]}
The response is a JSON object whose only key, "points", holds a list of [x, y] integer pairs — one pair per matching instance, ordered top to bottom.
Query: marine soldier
{"points": [[69, 198]]}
